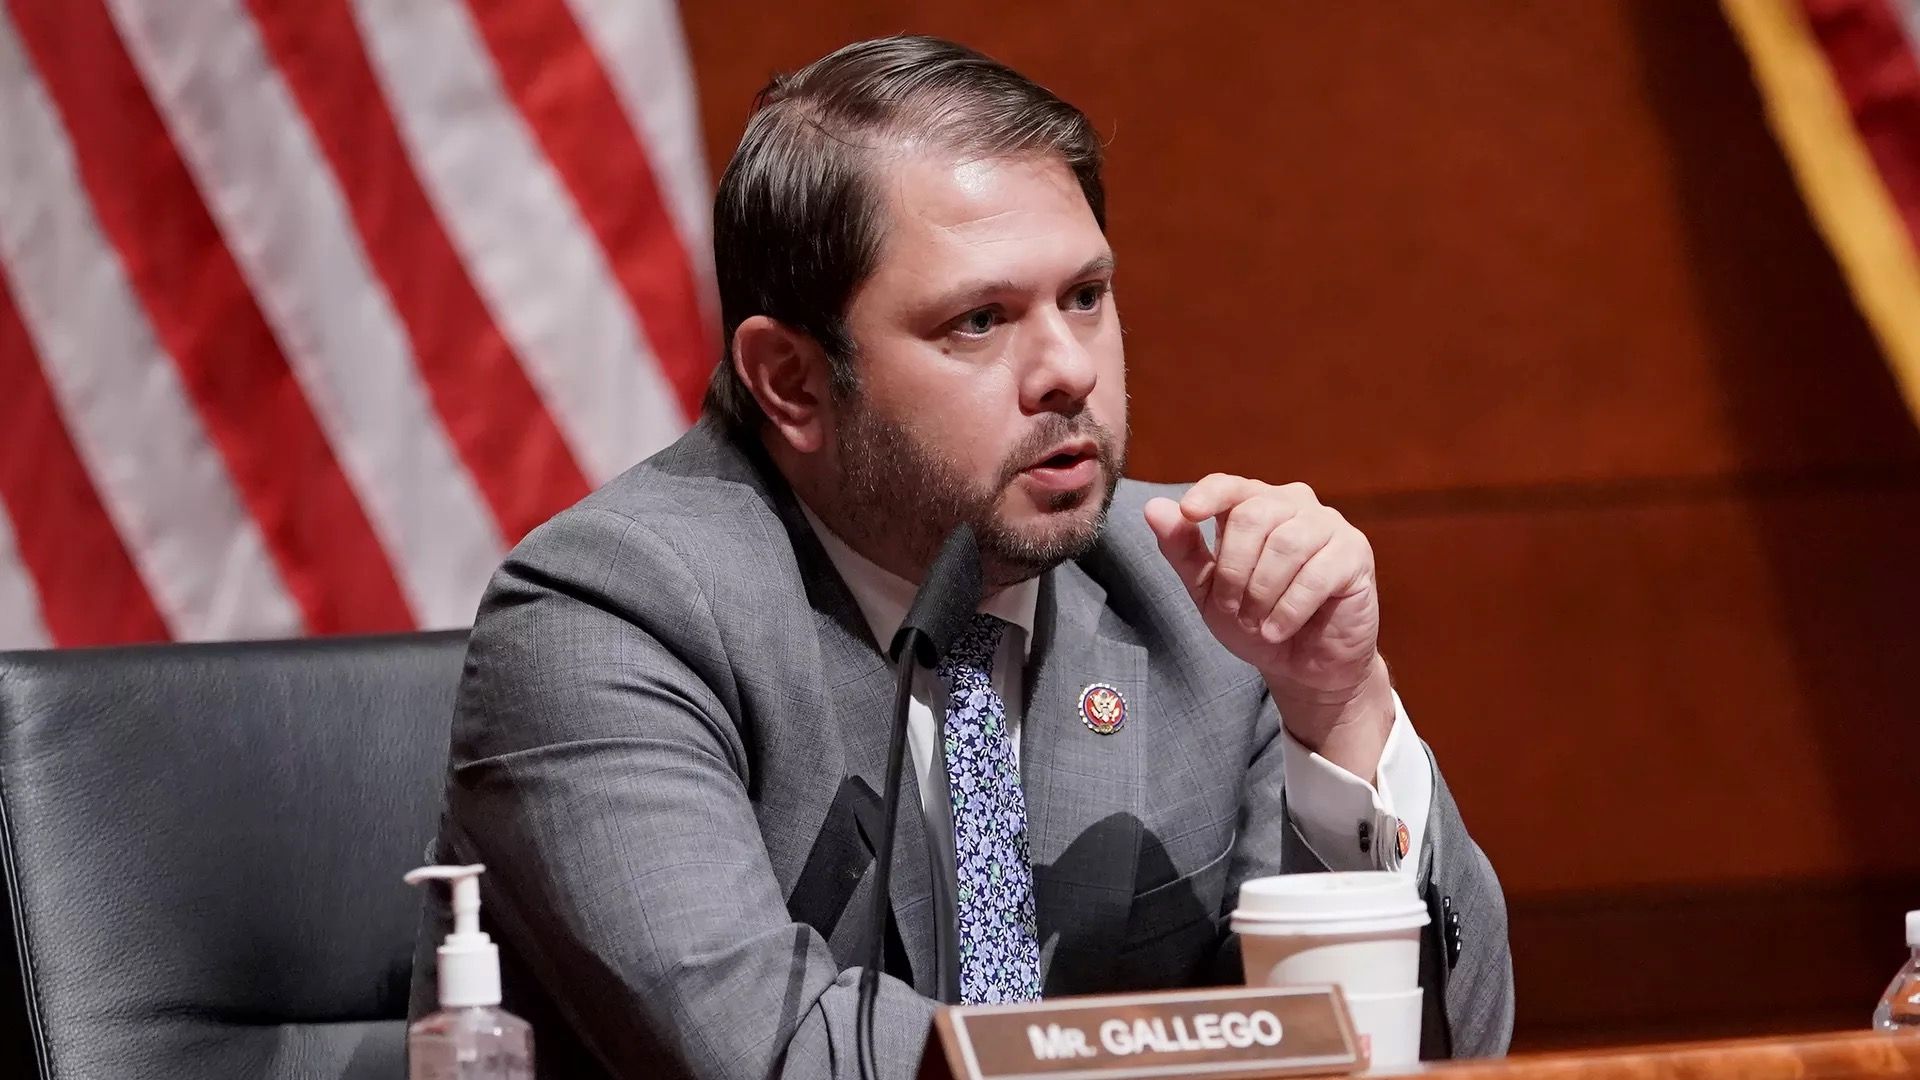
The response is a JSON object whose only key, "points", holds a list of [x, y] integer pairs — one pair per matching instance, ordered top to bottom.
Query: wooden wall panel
{"points": [[1427, 243], [1525, 288], [1647, 694], [1703, 961]]}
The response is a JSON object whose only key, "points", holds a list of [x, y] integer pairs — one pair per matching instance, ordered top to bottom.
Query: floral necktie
{"points": [[999, 941]]}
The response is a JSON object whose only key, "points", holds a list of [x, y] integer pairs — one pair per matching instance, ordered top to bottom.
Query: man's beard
{"points": [[897, 492]]}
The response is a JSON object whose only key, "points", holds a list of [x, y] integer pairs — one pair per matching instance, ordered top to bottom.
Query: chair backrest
{"points": [[202, 848]]}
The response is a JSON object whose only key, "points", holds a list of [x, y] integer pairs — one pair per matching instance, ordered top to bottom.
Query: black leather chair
{"points": [[202, 845]]}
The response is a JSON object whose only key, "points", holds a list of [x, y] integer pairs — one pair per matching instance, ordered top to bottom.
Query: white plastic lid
{"points": [[1330, 902], [1913, 929]]}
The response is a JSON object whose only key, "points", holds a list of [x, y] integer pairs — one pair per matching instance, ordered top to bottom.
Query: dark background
{"points": [[1527, 291]]}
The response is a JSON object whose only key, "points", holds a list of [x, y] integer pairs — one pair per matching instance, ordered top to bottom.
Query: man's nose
{"points": [[1059, 370]]}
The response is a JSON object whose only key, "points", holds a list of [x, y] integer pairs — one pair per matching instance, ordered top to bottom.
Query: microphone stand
{"points": [[940, 611], [946, 907]]}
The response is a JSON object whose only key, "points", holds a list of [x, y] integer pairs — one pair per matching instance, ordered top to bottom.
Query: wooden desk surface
{"points": [[1838, 1056]]}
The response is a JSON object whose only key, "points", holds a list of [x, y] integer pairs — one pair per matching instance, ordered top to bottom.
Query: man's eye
{"points": [[1087, 297], [978, 322]]}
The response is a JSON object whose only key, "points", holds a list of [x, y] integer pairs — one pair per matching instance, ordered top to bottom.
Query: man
{"points": [[671, 736]]}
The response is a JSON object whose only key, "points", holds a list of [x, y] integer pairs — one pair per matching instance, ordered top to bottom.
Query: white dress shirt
{"points": [[1329, 805]]}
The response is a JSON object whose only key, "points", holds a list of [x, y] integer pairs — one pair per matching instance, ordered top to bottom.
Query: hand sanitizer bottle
{"points": [[1900, 1009], [471, 1037]]}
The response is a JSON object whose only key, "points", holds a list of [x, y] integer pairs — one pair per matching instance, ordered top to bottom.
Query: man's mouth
{"points": [[1067, 467]]}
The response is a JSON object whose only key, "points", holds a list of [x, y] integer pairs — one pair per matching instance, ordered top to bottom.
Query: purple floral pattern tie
{"points": [[999, 940]]}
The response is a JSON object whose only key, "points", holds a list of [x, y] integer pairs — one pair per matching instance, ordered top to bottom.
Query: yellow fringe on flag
{"points": [[1850, 204]]}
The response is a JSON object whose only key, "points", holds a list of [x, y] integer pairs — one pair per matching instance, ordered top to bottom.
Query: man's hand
{"points": [[1289, 588]]}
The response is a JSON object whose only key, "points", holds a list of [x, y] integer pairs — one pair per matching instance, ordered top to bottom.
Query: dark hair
{"points": [[797, 223]]}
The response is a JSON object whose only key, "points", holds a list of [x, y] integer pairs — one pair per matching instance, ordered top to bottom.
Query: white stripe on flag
{"points": [[644, 53], [271, 190], [535, 261], [160, 480], [20, 625]]}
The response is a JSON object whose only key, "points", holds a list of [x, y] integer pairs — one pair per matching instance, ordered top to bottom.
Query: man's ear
{"points": [[787, 373]]}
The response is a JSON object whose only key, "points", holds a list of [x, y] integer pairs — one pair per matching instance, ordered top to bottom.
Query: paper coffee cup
{"points": [[1358, 930], [1391, 1025]]}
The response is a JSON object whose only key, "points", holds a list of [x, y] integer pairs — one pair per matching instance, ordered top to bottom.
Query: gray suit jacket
{"points": [[668, 747]]}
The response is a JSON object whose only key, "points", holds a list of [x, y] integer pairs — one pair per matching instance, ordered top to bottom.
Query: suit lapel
{"points": [[861, 684], [1083, 789]]}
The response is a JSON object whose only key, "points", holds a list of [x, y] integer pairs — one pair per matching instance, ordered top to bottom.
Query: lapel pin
{"points": [[1103, 708]]}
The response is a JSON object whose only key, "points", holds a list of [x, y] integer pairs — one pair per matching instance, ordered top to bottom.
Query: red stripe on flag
{"points": [[1873, 61], [557, 82], [206, 318], [507, 439], [90, 593]]}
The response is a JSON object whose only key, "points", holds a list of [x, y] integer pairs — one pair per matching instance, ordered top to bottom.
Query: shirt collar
{"points": [[884, 597]]}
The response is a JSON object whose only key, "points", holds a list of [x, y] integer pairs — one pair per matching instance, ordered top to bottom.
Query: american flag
{"points": [[1841, 82], [309, 309]]}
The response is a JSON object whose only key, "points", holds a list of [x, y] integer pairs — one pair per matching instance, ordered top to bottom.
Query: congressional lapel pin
{"points": [[1103, 708]]}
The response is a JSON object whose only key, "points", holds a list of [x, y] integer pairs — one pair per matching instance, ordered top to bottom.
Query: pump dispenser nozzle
{"points": [[469, 960]]}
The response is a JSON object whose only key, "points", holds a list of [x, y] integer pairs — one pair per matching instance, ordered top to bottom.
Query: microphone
{"points": [[947, 599], [945, 603]]}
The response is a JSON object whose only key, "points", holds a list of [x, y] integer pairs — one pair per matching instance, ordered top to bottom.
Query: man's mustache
{"points": [[1053, 430]]}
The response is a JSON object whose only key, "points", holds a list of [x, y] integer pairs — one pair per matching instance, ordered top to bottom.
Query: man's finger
{"points": [[1216, 494], [1243, 536], [1182, 543], [1288, 547], [1329, 573]]}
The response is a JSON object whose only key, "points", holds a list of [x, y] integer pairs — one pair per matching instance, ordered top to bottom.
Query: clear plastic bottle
{"points": [[1900, 1009], [471, 1037], [474, 1043]]}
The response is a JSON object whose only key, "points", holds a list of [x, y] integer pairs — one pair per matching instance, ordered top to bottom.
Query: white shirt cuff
{"points": [[1330, 805]]}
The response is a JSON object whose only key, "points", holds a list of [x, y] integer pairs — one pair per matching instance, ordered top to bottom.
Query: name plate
{"points": [[1222, 1033]]}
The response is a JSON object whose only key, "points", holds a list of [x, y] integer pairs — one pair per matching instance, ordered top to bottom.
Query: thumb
{"points": [[1181, 542]]}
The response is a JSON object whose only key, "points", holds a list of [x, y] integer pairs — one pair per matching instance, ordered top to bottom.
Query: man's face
{"points": [[992, 382]]}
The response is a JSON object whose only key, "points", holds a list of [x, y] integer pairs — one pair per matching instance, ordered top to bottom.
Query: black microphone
{"points": [[948, 597], [945, 603]]}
